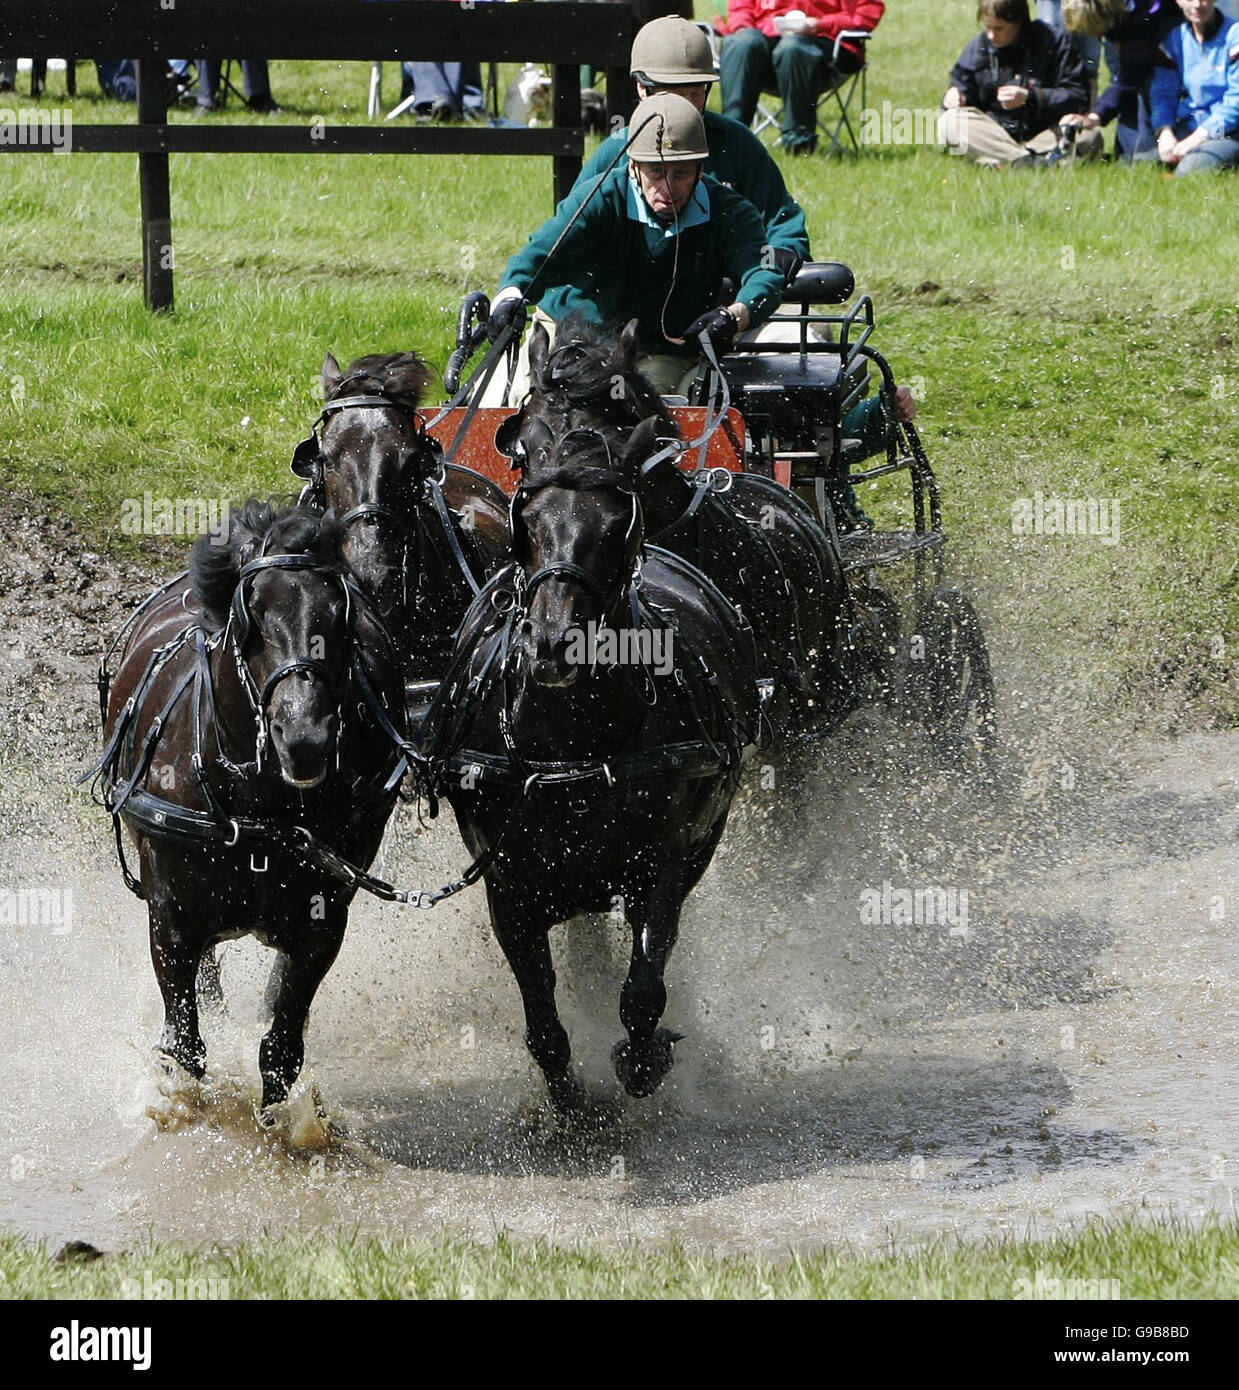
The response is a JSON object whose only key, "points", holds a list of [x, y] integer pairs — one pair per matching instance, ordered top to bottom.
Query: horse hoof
{"points": [[643, 1077], [300, 1121]]}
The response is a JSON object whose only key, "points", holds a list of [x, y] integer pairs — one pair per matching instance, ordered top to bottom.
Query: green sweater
{"points": [[739, 160], [606, 270]]}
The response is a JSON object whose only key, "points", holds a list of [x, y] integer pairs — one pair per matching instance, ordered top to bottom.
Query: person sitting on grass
{"points": [[1135, 28], [1011, 87], [1195, 96]]}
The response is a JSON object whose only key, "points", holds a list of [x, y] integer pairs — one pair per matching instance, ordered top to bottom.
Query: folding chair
{"points": [[843, 95], [839, 101]]}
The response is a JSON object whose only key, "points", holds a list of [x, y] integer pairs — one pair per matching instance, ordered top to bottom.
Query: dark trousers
{"points": [[798, 67], [8, 74], [253, 75], [458, 85]]}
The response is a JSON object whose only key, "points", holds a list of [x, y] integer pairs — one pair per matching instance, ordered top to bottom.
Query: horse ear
{"points": [[628, 345], [539, 347], [330, 376], [641, 441]]}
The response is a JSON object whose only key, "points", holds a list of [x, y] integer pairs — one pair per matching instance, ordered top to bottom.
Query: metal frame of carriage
{"points": [[778, 411]]}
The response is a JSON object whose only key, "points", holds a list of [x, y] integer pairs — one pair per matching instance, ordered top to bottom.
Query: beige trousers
{"points": [[965, 130], [669, 375]]}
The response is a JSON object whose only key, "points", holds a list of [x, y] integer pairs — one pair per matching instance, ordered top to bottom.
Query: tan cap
{"points": [[672, 52], [669, 131]]}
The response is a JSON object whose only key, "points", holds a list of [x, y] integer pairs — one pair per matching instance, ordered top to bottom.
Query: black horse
{"points": [[419, 536], [757, 541], [251, 734], [584, 781]]}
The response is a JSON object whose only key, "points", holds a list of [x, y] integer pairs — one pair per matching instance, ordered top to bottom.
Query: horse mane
{"points": [[586, 359], [400, 376], [254, 529]]}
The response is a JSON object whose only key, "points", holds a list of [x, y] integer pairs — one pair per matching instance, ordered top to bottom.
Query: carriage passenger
{"points": [[673, 55], [654, 241]]}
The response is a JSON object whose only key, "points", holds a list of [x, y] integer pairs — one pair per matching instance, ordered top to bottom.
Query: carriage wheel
{"points": [[876, 639], [950, 689]]}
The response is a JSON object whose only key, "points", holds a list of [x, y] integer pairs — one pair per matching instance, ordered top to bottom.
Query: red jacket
{"points": [[831, 15]]}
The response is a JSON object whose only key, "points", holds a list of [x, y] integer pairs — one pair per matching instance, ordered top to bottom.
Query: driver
{"points": [[673, 55], [653, 241]]}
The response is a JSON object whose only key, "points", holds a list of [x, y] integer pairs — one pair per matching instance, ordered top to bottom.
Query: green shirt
{"points": [[739, 160], [607, 270]]}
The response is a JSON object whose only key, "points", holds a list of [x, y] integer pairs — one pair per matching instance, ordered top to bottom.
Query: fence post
{"points": [[566, 111], [156, 194]]}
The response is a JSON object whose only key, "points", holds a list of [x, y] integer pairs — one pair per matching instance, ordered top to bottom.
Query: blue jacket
{"points": [[1200, 84]]}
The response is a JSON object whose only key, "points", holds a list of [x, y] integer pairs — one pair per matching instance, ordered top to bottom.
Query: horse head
{"points": [[588, 380], [370, 467], [577, 530], [278, 595]]}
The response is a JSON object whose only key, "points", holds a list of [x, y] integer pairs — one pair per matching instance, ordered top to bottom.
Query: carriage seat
{"points": [[821, 282]]}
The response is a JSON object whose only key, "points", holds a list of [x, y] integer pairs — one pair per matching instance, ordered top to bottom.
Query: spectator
{"points": [[1134, 28], [788, 45], [1087, 45], [253, 74], [118, 78], [1010, 88], [444, 91], [1195, 96]]}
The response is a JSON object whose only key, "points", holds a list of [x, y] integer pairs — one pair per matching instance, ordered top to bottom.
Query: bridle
{"points": [[309, 462], [577, 480], [237, 630]]}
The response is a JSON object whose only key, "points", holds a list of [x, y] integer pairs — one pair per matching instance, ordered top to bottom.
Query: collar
{"points": [[696, 211]]}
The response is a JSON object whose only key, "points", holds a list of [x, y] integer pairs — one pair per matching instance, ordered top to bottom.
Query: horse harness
{"points": [[160, 818]]}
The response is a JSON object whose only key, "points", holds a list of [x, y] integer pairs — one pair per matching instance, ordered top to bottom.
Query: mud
{"points": [[1062, 1046]]}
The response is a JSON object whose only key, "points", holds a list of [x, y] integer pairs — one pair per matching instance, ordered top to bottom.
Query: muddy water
{"points": [[1062, 1045]]}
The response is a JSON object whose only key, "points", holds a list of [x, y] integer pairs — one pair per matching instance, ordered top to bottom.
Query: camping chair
{"points": [[836, 106]]}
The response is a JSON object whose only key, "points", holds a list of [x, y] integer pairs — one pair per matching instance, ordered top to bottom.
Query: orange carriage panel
{"points": [[476, 448]]}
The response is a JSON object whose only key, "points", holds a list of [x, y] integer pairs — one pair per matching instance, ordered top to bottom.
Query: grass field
{"points": [[1070, 331], [1137, 1262]]}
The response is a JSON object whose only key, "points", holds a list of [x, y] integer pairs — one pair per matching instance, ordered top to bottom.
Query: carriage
{"points": [[775, 407], [571, 795]]}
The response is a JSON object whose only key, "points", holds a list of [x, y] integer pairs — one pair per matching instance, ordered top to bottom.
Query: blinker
{"points": [[306, 457]]}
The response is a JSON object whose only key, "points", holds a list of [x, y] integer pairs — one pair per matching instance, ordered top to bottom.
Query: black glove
{"points": [[788, 262], [507, 311], [719, 326]]}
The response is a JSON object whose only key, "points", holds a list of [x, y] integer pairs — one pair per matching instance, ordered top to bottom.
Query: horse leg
{"points": [[176, 952], [529, 954], [210, 989], [282, 1051], [646, 1057]]}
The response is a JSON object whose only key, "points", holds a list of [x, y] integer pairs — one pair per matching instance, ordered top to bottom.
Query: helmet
{"points": [[672, 52], [669, 130]]}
